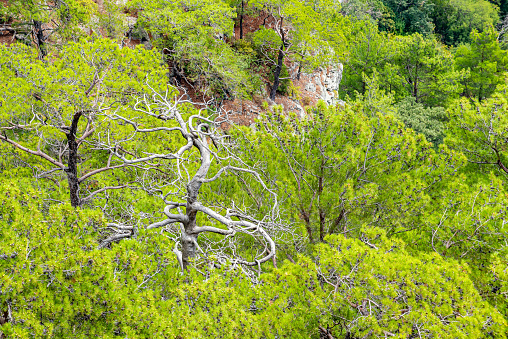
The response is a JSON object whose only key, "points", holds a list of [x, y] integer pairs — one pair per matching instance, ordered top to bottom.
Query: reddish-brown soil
{"points": [[250, 24], [6, 37]]}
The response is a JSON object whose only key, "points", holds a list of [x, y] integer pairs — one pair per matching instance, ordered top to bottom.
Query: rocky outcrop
{"points": [[331, 83], [324, 84]]}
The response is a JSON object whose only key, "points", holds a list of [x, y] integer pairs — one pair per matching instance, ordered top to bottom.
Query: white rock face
{"points": [[130, 21], [323, 84], [328, 84], [310, 86]]}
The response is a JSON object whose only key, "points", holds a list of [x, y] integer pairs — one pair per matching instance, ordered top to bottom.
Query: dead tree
{"points": [[203, 141]]}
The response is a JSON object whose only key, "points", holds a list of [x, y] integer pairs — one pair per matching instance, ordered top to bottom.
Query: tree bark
{"points": [[241, 21], [39, 38], [276, 74], [415, 91], [72, 165], [502, 166], [322, 214], [322, 221], [336, 222], [308, 227], [190, 231], [189, 237], [189, 242]]}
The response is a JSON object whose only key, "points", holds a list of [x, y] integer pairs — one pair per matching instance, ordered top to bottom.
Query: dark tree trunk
{"points": [[241, 21], [264, 21], [39, 38], [276, 74], [415, 91], [72, 166], [502, 166], [322, 214], [306, 218], [322, 221], [336, 222], [188, 239], [188, 248]]}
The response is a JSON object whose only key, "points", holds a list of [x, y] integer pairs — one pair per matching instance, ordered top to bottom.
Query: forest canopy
{"points": [[254, 169]]}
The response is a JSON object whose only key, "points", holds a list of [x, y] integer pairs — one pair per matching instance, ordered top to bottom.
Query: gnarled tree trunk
{"points": [[241, 21], [39, 38], [276, 74], [72, 165], [233, 221]]}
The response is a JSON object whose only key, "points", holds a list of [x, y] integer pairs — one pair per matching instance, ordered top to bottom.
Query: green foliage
{"points": [[373, 11], [71, 13], [411, 16], [178, 19], [455, 19], [111, 20], [451, 20], [194, 33], [370, 51], [486, 62], [412, 65], [424, 69], [428, 121], [479, 130], [337, 169], [466, 220], [468, 223], [499, 283], [57, 284], [378, 288]]}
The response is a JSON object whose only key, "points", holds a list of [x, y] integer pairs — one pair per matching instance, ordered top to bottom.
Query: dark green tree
{"points": [[411, 16], [455, 19], [427, 121], [338, 169]]}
